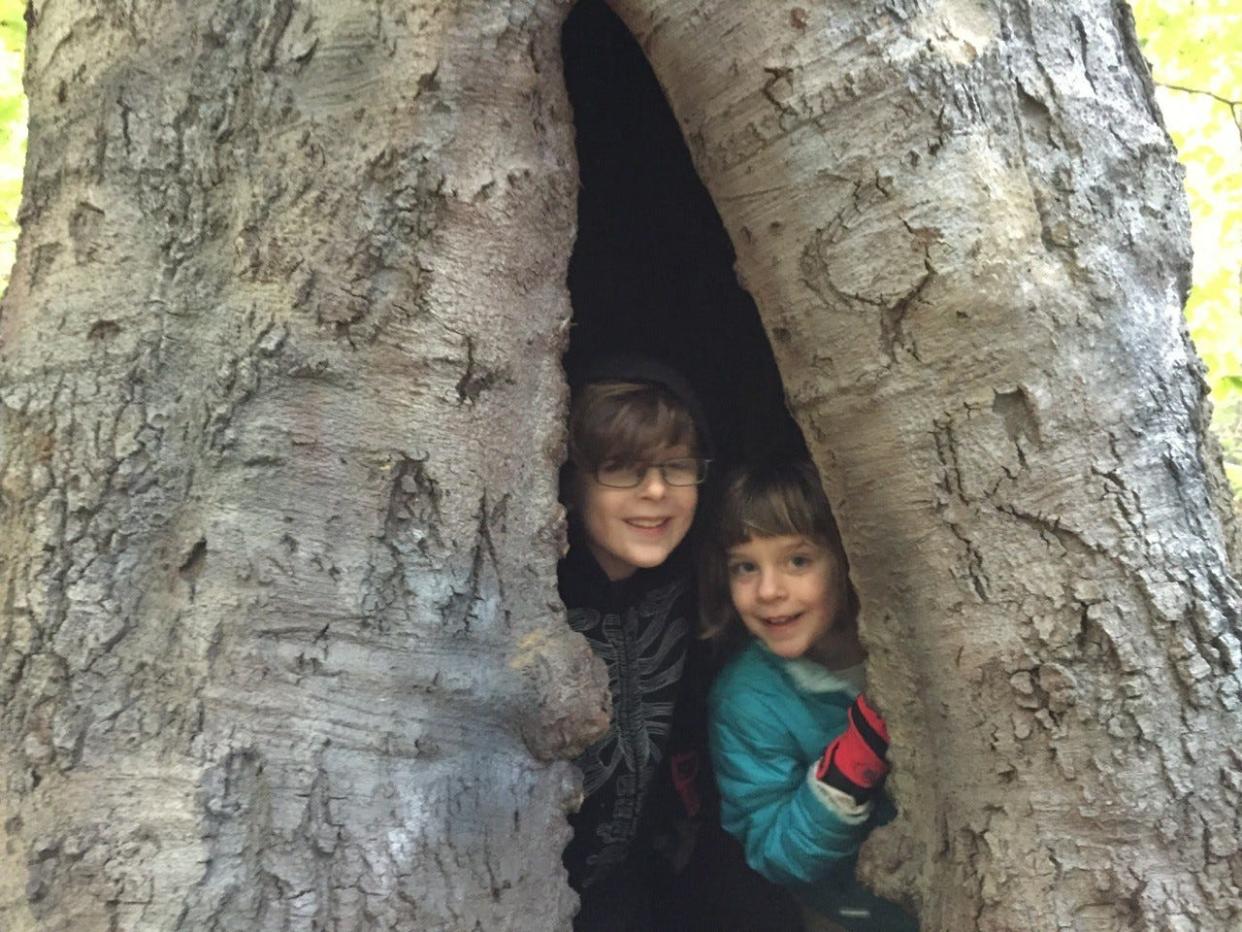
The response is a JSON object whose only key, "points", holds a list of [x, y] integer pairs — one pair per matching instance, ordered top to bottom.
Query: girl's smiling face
{"points": [[790, 593]]}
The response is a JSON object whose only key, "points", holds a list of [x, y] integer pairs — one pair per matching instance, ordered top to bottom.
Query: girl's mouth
{"points": [[781, 620]]}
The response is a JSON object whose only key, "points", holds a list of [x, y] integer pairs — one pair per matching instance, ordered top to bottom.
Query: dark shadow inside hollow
{"points": [[652, 268], [652, 271]]}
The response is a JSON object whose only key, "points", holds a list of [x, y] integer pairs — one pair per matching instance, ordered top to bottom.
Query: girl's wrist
{"points": [[855, 760]]}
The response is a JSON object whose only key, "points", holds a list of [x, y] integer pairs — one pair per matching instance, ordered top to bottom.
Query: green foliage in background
{"points": [[1193, 47], [1195, 51], [12, 127]]}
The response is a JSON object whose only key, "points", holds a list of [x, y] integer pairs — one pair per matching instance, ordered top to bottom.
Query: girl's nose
{"points": [[770, 585]]}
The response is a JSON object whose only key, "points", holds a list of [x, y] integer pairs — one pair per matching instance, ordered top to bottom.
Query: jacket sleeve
{"points": [[791, 830]]}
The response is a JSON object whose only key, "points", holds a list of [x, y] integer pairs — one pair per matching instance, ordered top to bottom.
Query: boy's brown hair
{"points": [[625, 421], [766, 501]]}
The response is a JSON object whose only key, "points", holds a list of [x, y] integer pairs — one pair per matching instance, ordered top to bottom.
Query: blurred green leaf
{"points": [[1193, 45], [12, 126]]}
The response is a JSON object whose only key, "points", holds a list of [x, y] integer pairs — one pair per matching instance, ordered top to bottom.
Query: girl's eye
{"points": [[801, 561], [741, 569]]}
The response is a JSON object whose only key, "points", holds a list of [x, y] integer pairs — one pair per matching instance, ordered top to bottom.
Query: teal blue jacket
{"points": [[770, 720]]}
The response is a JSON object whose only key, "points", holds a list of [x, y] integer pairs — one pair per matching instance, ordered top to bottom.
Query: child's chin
{"points": [[650, 559], [649, 564], [790, 650]]}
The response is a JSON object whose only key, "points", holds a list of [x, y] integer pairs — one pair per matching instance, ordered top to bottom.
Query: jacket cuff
{"points": [[846, 808]]}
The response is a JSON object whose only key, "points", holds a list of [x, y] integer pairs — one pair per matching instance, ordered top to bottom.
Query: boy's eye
{"points": [[681, 471], [619, 474]]}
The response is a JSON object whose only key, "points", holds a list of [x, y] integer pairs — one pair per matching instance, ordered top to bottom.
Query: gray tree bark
{"points": [[963, 225], [281, 410]]}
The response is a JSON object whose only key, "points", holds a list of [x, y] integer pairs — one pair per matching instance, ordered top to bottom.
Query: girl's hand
{"points": [[855, 760]]}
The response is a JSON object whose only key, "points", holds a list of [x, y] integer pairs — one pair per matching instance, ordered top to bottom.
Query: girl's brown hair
{"points": [[765, 501]]}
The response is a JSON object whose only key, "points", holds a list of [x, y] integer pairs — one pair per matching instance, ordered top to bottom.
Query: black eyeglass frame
{"points": [[701, 463]]}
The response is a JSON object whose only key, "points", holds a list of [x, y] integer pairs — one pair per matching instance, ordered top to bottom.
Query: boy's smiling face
{"points": [[639, 527]]}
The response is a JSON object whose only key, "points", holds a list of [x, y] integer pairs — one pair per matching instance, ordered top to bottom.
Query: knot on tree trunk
{"points": [[569, 705]]}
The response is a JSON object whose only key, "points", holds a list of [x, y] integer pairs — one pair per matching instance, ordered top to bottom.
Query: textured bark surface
{"points": [[963, 227], [280, 411], [281, 416]]}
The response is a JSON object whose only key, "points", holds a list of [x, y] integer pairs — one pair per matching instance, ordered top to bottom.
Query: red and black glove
{"points": [[854, 762]]}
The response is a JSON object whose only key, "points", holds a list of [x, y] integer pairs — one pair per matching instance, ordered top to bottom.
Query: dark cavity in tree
{"points": [[652, 268], [652, 271]]}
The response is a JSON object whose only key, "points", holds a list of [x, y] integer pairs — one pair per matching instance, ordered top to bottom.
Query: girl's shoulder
{"points": [[752, 677], [757, 681]]}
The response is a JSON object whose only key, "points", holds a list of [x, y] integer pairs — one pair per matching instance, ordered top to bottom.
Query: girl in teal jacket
{"points": [[798, 753]]}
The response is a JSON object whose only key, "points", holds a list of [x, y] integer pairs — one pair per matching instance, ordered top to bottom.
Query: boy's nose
{"points": [[653, 484]]}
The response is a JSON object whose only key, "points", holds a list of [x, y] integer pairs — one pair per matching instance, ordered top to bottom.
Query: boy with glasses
{"points": [[638, 446]]}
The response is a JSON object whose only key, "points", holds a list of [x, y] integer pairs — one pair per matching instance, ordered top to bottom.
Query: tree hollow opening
{"points": [[652, 267], [652, 271]]}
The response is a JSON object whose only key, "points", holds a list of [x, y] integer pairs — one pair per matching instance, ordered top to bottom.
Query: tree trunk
{"points": [[964, 229], [282, 411]]}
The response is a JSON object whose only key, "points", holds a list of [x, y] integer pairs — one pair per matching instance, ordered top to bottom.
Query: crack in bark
{"points": [[776, 74], [893, 317], [474, 382], [411, 526]]}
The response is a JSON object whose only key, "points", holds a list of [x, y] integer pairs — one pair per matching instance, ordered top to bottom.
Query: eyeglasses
{"points": [[686, 470]]}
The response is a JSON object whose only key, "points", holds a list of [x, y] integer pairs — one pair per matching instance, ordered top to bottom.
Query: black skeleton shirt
{"points": [[640, 627]]}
